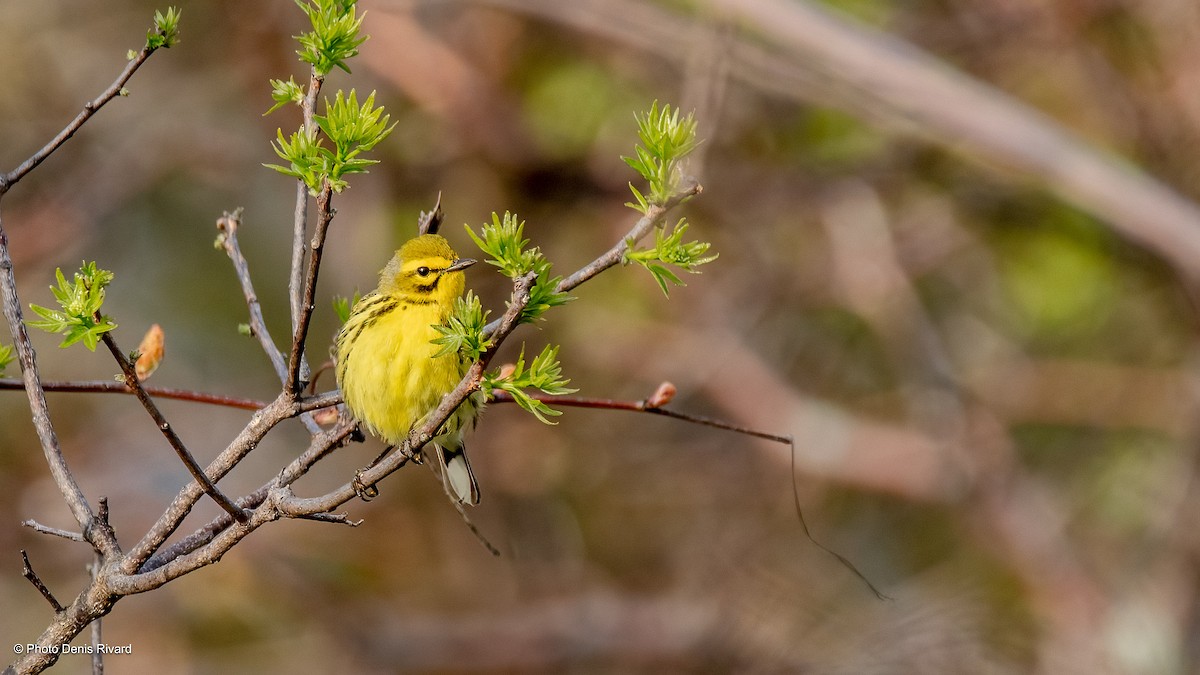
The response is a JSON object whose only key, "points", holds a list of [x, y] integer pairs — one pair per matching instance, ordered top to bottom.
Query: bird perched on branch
{"points": [[388, 369]]}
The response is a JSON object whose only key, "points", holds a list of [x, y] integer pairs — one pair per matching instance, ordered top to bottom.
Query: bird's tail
{"points": [[457, 474]]}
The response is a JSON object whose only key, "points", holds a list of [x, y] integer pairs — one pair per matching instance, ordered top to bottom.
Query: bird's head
{"points": [[426, 267]]}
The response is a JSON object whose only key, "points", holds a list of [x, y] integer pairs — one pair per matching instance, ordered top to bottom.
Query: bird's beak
{"points": [[461, 264]]}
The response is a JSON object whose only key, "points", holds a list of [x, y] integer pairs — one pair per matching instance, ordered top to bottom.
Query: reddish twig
{"points": [[112, 387], [653, 405], [644, 406]]}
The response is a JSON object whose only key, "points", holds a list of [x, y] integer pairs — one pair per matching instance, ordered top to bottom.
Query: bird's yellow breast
{"points": [[391, 377]]}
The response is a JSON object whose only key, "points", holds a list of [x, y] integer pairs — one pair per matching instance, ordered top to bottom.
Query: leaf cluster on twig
{"points": [[78, 318]]}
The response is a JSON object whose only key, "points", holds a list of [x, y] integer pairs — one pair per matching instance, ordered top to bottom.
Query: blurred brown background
{"points": [[993, 394]]}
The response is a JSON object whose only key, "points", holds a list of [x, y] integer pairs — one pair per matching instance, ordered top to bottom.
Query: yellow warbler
{"points": [[386, 365]]}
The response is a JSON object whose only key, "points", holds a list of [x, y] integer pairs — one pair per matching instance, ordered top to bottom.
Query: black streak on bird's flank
{"points": [[385, 306], [379, 312]]}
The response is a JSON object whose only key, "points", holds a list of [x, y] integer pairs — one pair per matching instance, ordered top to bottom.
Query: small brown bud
{"points": [[150, 352], [662, 395]]}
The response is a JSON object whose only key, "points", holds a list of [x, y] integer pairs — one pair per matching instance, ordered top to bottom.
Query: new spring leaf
{"points": [[165, 32], [334, 37], [284, 93], [352, 128], [666, 139], [504, 242], [669, 249], [342, 306], [79, 318], [463, 331], [6, 357], [544, 373]]}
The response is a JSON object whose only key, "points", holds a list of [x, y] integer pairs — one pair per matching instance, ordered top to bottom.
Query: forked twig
{"points": [[228, 225], [319, 448]]}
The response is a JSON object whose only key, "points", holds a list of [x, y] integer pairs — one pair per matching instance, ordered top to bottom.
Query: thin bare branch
{"points": [[90, 108], [652, 218], [300, 220], [228, 225], [296, 276], [295, 372], [132, 382], [112, 387], [325, 400], [282, 408], [51, 448], [335, 518], [46, 529], [34, 579]]}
